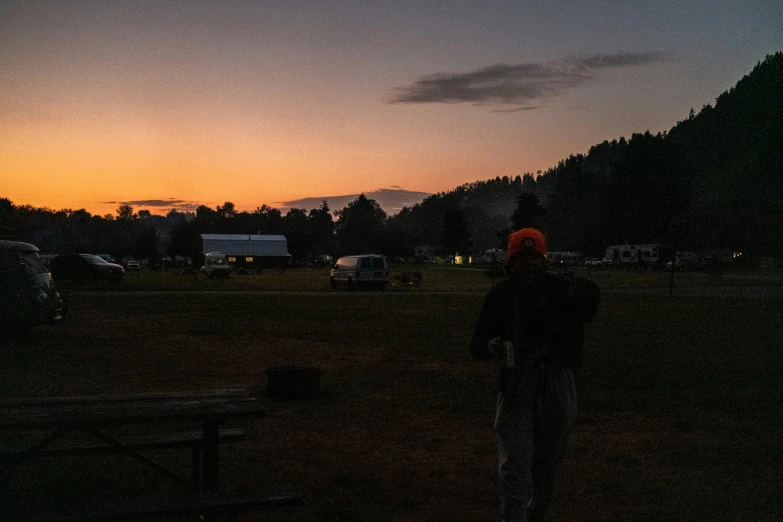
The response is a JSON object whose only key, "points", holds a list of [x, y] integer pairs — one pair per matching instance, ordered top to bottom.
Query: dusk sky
{"points": [[175, 104]]}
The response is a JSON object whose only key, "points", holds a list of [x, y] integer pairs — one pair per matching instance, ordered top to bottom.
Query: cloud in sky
{"points": [[518, 84], [517, 109], [391, 200], [169, 203]]}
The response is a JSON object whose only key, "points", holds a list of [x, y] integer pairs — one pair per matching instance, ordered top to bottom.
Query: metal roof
{"points": [[244, 237], [246, 244]]}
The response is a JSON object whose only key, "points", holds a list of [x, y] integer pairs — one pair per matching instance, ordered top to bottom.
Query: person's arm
{"points": [[490, 325]]}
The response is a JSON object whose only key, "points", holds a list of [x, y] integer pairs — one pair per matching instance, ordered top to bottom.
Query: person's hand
{"points": [[497, 346]]}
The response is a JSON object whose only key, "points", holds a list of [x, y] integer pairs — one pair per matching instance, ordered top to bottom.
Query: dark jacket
{"points": [[553, 310]]}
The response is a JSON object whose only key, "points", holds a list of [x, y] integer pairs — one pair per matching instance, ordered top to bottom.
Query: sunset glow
{"points": [[269, 103]]}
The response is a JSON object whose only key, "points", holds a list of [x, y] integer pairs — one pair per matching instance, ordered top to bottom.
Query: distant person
{"points": [[532, 323]]}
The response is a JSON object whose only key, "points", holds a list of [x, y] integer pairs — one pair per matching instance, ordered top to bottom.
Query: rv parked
{"points": [[494, 255], [618, 255], [649, 255], [655, 255], [216, 265]]}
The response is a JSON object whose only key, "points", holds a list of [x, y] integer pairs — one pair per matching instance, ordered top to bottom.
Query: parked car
{"points": [[323, 260], [607, 261], [132, 264], [83, 267], [365, 270], [28, 296]]}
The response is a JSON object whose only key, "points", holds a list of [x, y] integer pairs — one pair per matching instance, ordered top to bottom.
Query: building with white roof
{"points": [[249, 250]]}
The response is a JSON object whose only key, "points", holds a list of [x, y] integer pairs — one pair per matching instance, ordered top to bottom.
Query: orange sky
{"points": [[205, 103]]}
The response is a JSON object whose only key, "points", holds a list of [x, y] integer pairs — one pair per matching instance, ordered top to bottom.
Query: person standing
{"points": [[532, 322]]}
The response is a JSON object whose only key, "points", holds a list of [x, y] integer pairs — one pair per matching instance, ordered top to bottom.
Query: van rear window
{"points": [[346, 262], [377, 262]]}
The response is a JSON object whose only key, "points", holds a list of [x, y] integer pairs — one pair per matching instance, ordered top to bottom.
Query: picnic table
{"points": [[53, 418]]}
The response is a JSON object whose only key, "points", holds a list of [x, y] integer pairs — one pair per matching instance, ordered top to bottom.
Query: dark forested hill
{"points": [[735, 153], [715, 180]]}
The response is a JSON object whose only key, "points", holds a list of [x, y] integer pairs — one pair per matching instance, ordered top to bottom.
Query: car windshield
{"points": [[11, 259], [93, 260], [31, 261]]}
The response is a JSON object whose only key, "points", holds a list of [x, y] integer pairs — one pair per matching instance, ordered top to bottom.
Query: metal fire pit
{"points": [[293, 382]]}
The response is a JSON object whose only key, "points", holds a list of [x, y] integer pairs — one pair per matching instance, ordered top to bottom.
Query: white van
{"points": [[216, 265], [364, 270]]}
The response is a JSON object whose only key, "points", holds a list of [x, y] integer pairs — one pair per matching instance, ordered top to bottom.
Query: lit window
{"points": [[232, 259], [248, 260]]}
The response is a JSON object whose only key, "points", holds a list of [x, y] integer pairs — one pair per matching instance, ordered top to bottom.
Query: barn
{"points": [[249, 250]]}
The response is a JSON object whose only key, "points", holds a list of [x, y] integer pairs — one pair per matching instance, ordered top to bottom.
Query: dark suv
{"points": [[83, 267], [27, 293]]}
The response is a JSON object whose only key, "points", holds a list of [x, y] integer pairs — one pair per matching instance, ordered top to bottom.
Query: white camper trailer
{"points": [[655, 254], [494, 255], [649, 255], [216, 265]]}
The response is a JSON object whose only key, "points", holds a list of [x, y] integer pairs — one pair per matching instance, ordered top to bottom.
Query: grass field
{"points": [[434, 278], [680, 412]]}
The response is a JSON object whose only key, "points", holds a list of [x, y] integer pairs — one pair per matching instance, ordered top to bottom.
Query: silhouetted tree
{"points": [[227, 210], [125, 212], [527, 212], [6, 215], [206, 219], [268, 220], [321, 226], [360, 227], [295, 228], [455, 238], [186, 239], [147, 242]]}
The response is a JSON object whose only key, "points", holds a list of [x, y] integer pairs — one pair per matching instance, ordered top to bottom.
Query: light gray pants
{"points": [[533, 417]]}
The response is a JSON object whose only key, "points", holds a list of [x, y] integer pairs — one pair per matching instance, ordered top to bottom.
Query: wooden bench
{"points": [[98, 416], [158, 441], [135, 443], [230, 504]]}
